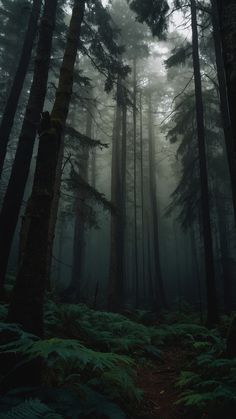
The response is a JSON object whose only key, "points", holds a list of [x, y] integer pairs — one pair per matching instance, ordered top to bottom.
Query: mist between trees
{"points": [[117, 157]]}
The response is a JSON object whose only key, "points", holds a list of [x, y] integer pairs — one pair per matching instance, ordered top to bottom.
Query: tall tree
{"points": [[13, 19], [227, 24], [17, 85], [226, 105], [20, 170], [79, 233], [136, 264], [115, 285], [159, 285], [26, 306], [212, 310]]}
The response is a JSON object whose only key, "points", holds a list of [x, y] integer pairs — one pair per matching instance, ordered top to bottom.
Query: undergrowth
{"points": [[89, 363], [209, 384]]}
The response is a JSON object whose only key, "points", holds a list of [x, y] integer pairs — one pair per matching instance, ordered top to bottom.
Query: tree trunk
{"points": [[227, 23], [17, 85], [225, 112], [20, 170], [142, 191], [79, 238], [224, 252], [177, 268], [196, 270], [115, 285], [159, 286], [137, 296], [27, 302], [212, 311], [231, 340]]}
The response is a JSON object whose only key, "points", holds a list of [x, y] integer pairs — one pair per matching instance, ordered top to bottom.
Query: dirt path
{"points": [[158, 385]]}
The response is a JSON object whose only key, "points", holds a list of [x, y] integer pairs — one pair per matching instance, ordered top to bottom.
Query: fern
{"points": [[109, 331], [54, 349], [118, 384], [213, 387], [55, 403], [30, 409]]}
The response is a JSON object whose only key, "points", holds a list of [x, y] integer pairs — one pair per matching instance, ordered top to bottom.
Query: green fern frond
{"points": [[30, 409]]}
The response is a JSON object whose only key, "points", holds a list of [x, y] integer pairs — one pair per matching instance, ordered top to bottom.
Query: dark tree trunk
{"points": [[227, 23], [17, 85], [226, 121], [20, 170], [123, 186], [142, 191], [79, 234], [224, 251], [177, 267], [196, 270], [115, 286], [159, 286], [151, 291], [137, 292], [26, 307], [212, 311], [231, 340]]}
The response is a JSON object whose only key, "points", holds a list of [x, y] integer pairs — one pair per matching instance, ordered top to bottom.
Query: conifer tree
{"points": [[19, 78]]}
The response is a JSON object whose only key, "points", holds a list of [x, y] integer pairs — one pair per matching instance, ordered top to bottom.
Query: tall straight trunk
{"points": [[227, 24], [17, 85], [224, 103], [93, 168], [20, 170], [135, 181], [123, 186], [142, 189], [79, 234], [224, 252], [177, 267], [196, 270], [115, 285], [159, 285], [151, 291], [27, 302], [212, 311]]}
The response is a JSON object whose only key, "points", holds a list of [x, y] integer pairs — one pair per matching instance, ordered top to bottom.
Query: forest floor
{"points": [[95, 363], [157, 382]]}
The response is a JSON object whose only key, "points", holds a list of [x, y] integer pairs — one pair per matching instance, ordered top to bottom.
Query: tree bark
{"points": [[227, 23], [17, 85], [225, 111], [20, 170], [142, 191], [79, 234], [224, 251], [115, 285], [137, 292], [27, 303], [212, 310]]}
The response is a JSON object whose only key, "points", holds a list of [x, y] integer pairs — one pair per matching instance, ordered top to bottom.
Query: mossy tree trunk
{"points": [[27, 302]]}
